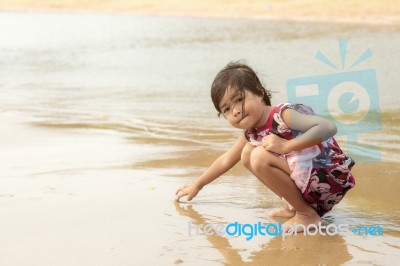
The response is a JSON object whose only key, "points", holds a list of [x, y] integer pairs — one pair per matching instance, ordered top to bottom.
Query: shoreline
{"points": [[373, 13]]}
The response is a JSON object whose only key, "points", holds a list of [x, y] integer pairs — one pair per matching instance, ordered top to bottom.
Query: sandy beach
{"points": [[375, 12], [98, 130]]}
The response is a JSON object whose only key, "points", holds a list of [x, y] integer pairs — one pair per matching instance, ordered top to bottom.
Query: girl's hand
{"points": [[275, 144], [187, 190]]}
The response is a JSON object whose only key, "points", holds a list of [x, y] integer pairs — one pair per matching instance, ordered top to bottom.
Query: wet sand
{"points": [[75, 195], [72, 197], [67, 200]]}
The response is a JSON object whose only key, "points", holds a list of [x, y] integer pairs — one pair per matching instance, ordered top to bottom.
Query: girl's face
{"points": [[244, 113]]}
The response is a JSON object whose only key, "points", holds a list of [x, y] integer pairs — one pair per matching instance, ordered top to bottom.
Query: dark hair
{"points": [[241, 77]]}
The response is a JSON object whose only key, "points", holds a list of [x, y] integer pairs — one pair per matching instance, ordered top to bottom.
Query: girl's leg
{"points": [[275, 173], [280, 212]]}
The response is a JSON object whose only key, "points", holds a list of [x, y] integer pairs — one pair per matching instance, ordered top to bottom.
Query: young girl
{"points": [[287, 147]]}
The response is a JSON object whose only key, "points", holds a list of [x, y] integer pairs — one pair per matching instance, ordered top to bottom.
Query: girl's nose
{"points": [[236, 111]]}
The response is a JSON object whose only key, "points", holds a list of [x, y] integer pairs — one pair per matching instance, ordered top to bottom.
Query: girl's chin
{"points": [[246, 125], [241, 126]]}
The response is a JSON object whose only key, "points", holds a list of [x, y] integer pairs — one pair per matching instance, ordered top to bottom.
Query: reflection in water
{"points": [[219, 242], [308, 250]]}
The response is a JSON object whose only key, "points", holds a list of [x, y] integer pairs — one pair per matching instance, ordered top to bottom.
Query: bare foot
{"points": [[282, 212], [299, 220]]}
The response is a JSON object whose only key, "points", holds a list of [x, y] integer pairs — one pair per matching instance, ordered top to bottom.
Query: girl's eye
{"points": [[238, 100], [226, 110]]}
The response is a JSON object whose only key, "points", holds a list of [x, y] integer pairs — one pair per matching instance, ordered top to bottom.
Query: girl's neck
{"points": [[264, 117]]}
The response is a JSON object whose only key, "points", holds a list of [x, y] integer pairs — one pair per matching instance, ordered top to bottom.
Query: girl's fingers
{"points": [[265, 143], [180, 189], [180, 195], [177, 197]]}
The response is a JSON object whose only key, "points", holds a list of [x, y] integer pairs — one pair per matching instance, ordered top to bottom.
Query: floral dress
{"points": [[330, 177]]}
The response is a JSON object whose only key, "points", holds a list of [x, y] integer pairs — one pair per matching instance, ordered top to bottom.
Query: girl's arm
{"points": [[316, 129], [222, 164]]}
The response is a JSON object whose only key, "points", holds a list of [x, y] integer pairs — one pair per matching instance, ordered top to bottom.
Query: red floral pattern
{"points": [[330, 176]]}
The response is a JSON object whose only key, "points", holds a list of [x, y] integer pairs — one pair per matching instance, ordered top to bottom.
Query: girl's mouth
{"points": [[243, 117]]}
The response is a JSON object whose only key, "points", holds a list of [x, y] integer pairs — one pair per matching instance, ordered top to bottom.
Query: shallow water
{"points": [[135, 74], [146, 80]]}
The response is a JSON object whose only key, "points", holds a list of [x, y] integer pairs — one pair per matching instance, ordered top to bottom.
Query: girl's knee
{"points": [[245, 156], [260, 159], [246, 162]]}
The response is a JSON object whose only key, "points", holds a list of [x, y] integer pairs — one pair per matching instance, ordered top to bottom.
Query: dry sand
{"points": [[375, 11]]}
